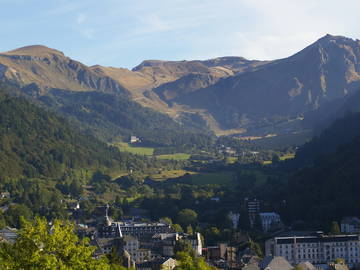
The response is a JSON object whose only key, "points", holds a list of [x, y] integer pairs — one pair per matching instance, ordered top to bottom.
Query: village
{"points": [[145, 245]]}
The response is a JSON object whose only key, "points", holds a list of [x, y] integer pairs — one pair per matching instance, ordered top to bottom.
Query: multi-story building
{"points": [[253, 208], [234, 217], [269, 219], [350, 225], [136, 229], [140, 229], [164, 243], [196, 243], [316, 248]]}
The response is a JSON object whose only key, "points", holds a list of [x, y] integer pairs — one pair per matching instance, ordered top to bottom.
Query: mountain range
{"points": [[223, 95]]}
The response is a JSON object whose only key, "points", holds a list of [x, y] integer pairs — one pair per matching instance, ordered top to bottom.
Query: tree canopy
{"points": [[41, 245]]}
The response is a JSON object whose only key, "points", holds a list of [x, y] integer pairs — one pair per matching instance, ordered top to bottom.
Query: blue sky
{"points": [[122, 33]]}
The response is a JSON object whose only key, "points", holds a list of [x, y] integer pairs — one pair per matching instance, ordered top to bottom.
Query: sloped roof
{"points": [[275, 263], [252, 266], [306, 266]]}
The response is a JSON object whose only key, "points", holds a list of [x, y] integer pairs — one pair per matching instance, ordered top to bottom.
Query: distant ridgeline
{"points": [[34, 142]]}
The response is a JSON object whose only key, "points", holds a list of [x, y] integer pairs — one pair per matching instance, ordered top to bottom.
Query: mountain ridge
{"points": [[323, 71], [230, 93]]}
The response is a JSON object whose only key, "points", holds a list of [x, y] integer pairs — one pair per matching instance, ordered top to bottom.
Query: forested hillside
{"points": [[115, 117], [340, 132], [34, 142], [327, 187]]}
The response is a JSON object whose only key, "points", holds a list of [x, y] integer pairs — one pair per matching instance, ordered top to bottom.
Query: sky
{"points": [[123, 33]]}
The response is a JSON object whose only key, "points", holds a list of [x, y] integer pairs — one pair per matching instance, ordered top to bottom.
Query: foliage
{"points": [[116, 117], [341, 131], [36, 143], [176, 156], [187, 217], [177, 228], [335, 229], [189, 230], [43, 246], [183, 246], [189, 262]]}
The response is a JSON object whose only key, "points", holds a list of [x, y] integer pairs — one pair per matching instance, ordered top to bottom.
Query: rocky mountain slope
{"points": [[323, 72]]}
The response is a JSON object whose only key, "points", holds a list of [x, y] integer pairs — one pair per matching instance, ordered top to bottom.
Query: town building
{"points": [[134, 139], [5, 195], [253, 208], [234, 217], [269, 220], [350, 225], [136, 229], [141, 229], [8, 235], [195, 241], [164, 243], [146, 244], [316, 248], [222, 255], [163, 264], [306, 266]]}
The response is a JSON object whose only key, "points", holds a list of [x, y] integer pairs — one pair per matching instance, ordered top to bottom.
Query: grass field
{"points": [[282, 141], [125, 147], [176, 156], [288, 156], [284, 157], [231, 160], [164, 175], [219, 178]]}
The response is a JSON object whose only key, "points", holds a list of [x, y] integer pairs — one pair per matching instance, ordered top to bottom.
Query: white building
{"points": [[134, 139], [253, 210], [234, 217], [269, 219], [350, 225], [196, 243], [316, 248]]}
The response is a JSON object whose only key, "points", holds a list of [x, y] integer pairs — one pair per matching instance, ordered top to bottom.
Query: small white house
{"points": [[134, 139]]}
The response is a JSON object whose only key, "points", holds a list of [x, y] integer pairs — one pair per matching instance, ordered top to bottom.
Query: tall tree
{"points": [[187, 217], [335, 229], [44, 246]]}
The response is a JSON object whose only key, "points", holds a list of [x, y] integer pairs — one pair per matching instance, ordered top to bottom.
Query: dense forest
{"points": [[116, 118], [341, 131], [36, 143], [325, 184]]}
